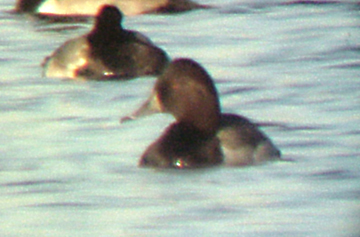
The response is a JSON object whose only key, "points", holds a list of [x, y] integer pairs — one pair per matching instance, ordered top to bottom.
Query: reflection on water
{"points": [[67, 167]]}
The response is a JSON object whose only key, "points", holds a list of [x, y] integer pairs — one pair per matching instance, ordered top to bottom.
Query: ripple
{"points": [[310, 2], [351, 65], [334, 174], [32, 183], [64, 205]]}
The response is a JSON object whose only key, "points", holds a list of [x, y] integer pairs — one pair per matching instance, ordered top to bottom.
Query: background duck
{"points": [[89, 7], [107, 52], [241, 141]]}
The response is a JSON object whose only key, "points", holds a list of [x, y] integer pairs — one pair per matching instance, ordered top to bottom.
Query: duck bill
{"points": [[150, 106]]}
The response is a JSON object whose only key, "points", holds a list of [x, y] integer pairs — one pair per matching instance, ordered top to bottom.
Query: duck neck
{"points": [[101, 35], [205, 120]]}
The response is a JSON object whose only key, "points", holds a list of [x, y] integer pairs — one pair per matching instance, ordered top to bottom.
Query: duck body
{"points": [[89, 7], [107, 52], [68, 59], [240, 142], [243, 143], [183, 146]]}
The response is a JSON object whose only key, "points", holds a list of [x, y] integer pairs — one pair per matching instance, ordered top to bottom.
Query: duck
{"points": [[89, 8], [108, 52], [187, 91], [190, 141]]}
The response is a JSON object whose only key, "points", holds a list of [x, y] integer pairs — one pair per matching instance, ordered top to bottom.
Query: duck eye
{"points": [[179, 163]]}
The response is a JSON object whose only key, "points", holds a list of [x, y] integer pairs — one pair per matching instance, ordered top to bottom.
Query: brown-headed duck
{"points": [[89, 7], [107, 52], [187, 91], [191, 141]]}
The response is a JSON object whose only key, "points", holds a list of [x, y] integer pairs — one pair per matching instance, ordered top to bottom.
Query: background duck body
{"points": [[90, 7], [107, 52], [132, 55], [68, 59]]}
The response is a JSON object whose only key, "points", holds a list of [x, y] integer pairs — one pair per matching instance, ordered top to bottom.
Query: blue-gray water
{"points": [[68, 168]]}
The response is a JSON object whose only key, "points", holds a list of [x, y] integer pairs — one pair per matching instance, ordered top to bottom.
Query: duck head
{"points": [[108, 19], [186, 91]]}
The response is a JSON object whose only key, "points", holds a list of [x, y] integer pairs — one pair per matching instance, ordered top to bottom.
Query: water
{"points": [[68, 168]]}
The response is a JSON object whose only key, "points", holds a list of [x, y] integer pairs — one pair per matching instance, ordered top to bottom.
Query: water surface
{"points": [[68, 168]]}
